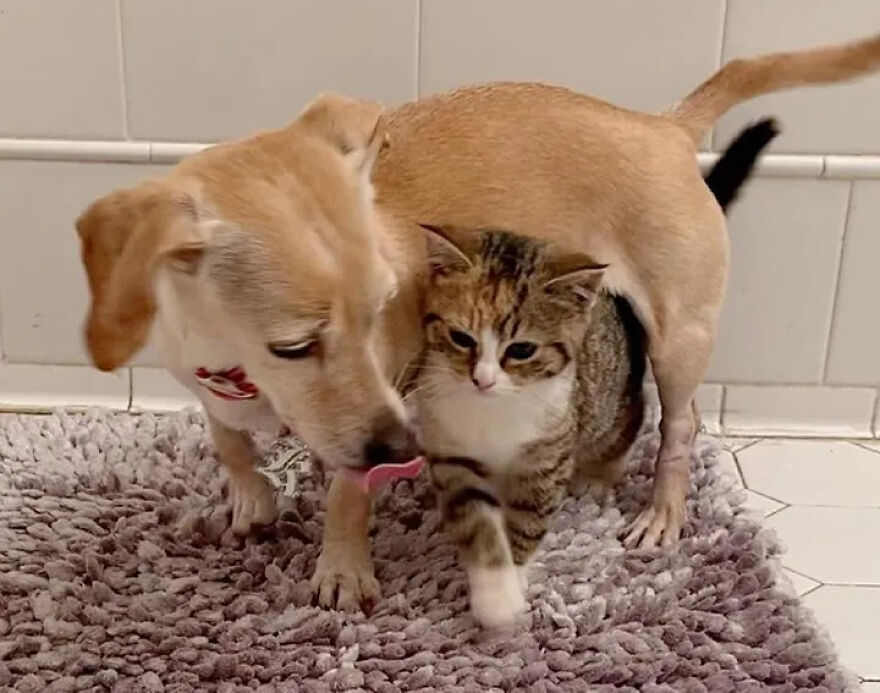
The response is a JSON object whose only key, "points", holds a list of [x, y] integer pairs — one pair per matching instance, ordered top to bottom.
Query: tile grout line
{"points": [[419, 10], [722, 44], [122, 80], [835, 294], [874, 411], [860, 444]]}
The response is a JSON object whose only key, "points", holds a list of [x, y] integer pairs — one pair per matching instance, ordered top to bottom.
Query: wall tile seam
{"points": [[817, 166], [838, 280]]}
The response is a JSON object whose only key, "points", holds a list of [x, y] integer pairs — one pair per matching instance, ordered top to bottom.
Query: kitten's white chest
{"points": [[491, 428]]}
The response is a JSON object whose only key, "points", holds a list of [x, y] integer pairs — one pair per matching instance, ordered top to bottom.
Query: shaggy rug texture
{"points": [[117, 571]]}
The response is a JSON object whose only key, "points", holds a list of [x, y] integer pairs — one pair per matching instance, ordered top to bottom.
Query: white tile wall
{"points": [[595, 47], [202, 70], [60, 74], [170, 74], [839, 119], [785, 238], [43, 291], [855, 340], [28, 387], [154, 389], [798, 410]]}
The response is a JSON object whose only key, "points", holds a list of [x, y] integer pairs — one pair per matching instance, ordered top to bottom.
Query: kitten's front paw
{"points": [[253, 501], [496, 595]]}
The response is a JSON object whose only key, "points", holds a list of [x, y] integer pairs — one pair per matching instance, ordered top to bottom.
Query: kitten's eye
{"points": [[462, 339], [294, 350], [520, 351]]}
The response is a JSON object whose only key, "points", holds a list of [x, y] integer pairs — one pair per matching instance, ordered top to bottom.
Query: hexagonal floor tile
{"points": [[735, 444], [727, 461], [813, 472], [761, 504], [831, 545], [801, 584], [852, 617]]}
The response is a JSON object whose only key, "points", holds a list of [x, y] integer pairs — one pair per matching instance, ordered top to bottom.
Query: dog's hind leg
{"points": [[682, 320], [677, 372]]}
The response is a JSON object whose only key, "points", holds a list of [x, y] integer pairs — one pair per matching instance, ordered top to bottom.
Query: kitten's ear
{"points": [[448, 248], [577, 273]]}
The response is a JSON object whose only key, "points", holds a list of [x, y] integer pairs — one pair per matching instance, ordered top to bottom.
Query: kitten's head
{"points": [[503, 311]]}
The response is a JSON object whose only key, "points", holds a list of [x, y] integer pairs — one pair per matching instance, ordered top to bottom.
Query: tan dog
{"points": [[281, 288]]}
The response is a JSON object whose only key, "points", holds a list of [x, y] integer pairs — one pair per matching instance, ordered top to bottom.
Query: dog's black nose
{"points": [[393, 441]]}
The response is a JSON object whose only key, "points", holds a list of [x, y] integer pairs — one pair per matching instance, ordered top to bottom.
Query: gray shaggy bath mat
{"points": [[116, 574]]}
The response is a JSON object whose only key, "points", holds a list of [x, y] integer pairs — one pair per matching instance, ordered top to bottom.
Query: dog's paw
{"points": [[253, 502], [659, 523], [344, 579], [496, 595]]}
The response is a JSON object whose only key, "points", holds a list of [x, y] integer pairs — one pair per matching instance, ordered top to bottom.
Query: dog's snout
{"points": [[393, 441]]}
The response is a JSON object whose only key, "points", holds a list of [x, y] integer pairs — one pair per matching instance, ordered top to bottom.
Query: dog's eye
{"points": [[462, 339], [294, 350], [520, 351]]}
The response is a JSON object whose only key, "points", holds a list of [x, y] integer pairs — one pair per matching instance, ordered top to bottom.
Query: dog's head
{"points": [[270, 246]]}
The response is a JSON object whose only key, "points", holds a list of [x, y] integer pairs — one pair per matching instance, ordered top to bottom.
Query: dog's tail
{"points": [[743, 79], [735, 166]]}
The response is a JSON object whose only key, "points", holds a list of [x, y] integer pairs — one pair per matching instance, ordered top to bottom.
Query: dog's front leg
{"points": [[251, 496], [344, 577]]}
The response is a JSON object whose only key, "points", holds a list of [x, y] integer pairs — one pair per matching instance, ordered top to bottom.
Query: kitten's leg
{"points": [[251, 495], [532, 501], [473, 517]]}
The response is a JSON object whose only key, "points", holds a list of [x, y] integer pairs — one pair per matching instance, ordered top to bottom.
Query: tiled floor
{"points": [[823, 499]]}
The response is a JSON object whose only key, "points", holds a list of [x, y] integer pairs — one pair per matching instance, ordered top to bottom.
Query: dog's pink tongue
{"points": [[382, 474]]}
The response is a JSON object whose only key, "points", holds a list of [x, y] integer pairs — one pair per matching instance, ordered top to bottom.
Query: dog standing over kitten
{"points": [[531, 379]]}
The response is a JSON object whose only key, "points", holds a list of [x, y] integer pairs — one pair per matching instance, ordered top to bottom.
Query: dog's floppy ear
{"points": [[353, 126], [124, 237], [449, 249], [575, 272]]}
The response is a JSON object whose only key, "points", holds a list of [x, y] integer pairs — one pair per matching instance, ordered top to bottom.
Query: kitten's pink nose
{"points": [[482, 380]]}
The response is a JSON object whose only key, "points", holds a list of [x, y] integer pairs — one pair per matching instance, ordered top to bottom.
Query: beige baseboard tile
{"points": [[41, 388], [155, 390], [709, 399], [795, 410]]}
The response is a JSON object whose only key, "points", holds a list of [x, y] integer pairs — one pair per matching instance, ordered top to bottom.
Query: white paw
{"points": [[253, 501], [522, 572], [344, 579], [496, 595]]}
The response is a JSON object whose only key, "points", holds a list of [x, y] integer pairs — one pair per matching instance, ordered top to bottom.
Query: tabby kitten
{"points": [[530, 378]]}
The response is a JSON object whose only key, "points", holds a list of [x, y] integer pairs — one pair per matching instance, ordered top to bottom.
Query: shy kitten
{"points": [[531, 377]]}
